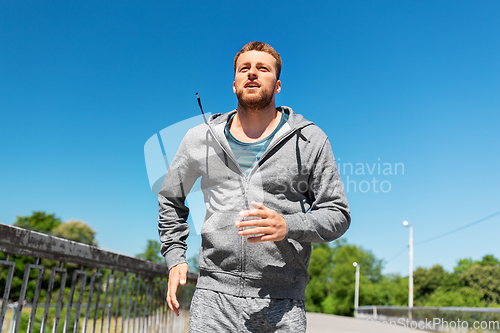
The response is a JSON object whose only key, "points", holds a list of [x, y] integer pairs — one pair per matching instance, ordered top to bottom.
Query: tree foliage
{"points": [[38, 221], [76, 231], [152, 252], [466, 263], [463, 265], [332, 279], [485, 280], [427, 281], [473, 283], [462, 296]]}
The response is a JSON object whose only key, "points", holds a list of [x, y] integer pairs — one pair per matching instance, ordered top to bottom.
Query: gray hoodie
{"points": [[296, 176]]}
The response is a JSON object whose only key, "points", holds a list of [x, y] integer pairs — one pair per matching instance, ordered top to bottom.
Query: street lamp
{"points": [[410, 277], [356, 289]]}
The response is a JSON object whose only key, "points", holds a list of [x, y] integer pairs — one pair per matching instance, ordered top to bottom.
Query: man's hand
{"points": [[271, 226], [177, 275]]}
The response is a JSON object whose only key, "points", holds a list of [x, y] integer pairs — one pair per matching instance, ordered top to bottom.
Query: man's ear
{"points": [[234, 87], [277, 87]]}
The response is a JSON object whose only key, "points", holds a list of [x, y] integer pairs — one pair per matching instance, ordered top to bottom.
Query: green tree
{"points": [[38, 221], [77, 231], [152, 252], [489, 260], [466, 263], [463, 265], [320, 271], [332, 278], [485, 280], [426, 281], [473, 283], [391, 290], [463, 296]]}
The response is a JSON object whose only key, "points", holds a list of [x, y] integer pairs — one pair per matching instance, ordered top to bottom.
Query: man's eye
{"points": [[264, 69]]}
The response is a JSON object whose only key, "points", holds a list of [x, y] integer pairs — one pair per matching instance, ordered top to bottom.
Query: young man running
{"points": [[271, 187]]}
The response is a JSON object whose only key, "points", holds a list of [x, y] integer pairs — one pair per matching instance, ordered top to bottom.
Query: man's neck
{"points": [[254, 125]]}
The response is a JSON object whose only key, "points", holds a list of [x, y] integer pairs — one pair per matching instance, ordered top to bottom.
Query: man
{"points": [[271, 187]]}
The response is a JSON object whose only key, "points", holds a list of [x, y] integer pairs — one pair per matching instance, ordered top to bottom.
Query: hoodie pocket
{"points": [[220, 243], [280, 262]]}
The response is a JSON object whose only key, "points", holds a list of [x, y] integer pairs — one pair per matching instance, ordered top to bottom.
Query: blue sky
{"points": [[415, 83]]}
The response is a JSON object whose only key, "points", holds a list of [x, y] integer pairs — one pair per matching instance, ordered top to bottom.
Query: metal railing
{"points": [[107, 292], [438, 319]]}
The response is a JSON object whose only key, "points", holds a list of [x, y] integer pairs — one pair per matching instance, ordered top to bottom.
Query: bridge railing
{"points": [[53, 284]]}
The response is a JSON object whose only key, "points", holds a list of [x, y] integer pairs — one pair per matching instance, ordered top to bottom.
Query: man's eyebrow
{"points": [[260, 63], [243, 64], [257, 64]]}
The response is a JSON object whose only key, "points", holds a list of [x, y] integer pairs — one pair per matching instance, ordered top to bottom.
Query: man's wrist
{"points": [[293, 226], [175, 257]]}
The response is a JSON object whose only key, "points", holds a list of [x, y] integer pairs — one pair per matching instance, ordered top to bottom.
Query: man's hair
{"points": [[263, 47]]}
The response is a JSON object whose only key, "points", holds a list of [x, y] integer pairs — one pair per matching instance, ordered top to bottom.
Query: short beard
{"points": [[254, 102]]}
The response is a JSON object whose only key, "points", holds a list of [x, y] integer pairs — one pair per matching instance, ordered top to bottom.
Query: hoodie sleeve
{"points": [[173, 212], [328, 217]]}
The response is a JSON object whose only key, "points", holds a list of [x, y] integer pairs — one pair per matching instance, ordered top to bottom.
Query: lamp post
{"points": [[410, 277], [356, 289]]}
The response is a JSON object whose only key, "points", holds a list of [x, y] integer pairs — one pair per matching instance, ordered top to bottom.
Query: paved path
{"points": [[323, 323]]}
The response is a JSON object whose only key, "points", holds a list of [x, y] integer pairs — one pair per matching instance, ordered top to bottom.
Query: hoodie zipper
{"points": [[270, 148], [245, 178], [246, 183]]}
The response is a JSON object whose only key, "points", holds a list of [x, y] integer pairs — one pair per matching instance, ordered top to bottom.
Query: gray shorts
{"points": [[213, 311]]}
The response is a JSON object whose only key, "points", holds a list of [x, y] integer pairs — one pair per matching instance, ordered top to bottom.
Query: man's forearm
{"points": [[173, 229]]}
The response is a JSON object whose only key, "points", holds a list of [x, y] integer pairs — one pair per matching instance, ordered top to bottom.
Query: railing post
{"points": [[6, 292], [22, 295]]}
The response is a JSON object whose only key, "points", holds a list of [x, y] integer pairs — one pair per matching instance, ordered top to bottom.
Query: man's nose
{"points": [[252, 72]]}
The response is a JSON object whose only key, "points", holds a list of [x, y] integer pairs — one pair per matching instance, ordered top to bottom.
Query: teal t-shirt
{"points": [[247, 154]]}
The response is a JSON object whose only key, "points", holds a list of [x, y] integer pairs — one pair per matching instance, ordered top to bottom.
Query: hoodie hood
{"points": [[296, 121]]}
